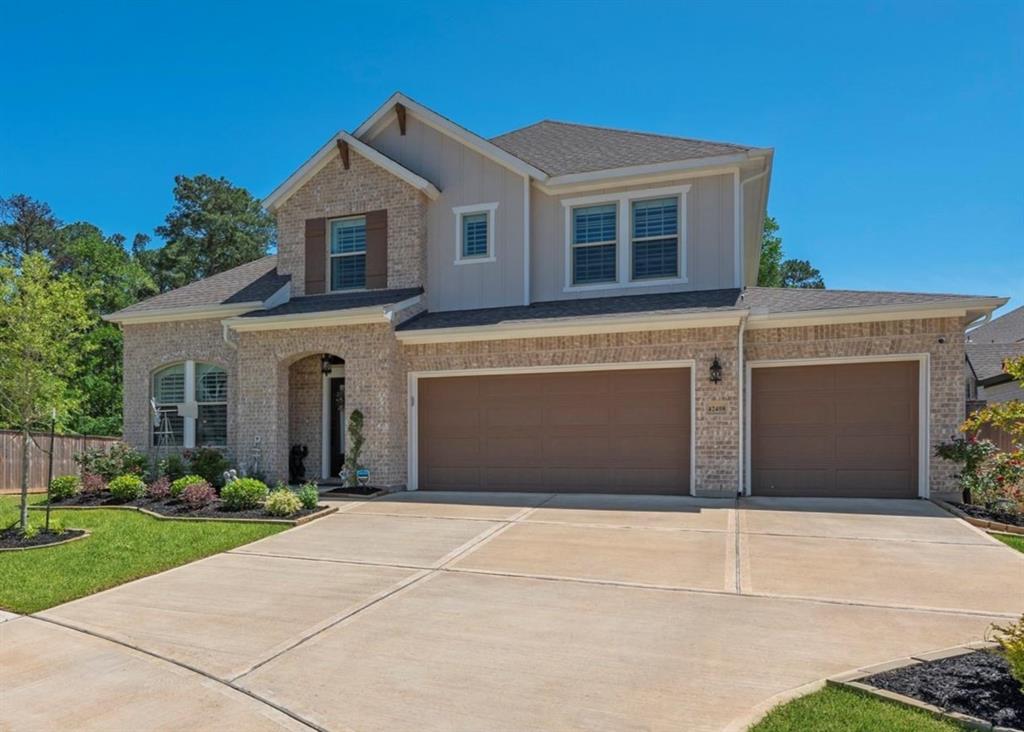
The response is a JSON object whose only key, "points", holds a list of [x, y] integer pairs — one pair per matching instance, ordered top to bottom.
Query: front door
{"points": [[336, 441]]}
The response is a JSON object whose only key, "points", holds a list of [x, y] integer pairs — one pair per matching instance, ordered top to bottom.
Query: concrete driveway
{"points": [[430, 611]]}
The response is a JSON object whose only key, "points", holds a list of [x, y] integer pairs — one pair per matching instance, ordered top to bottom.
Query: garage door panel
{"points": [[593, 431], [853, 431]]}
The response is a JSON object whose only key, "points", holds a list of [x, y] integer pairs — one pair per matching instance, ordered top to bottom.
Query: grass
{"points": [[1013, 540], [124, 545], [840, 710]]}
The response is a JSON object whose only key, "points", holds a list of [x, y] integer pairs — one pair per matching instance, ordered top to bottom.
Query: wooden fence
{"points": [[1001, 439], [64, 450]]}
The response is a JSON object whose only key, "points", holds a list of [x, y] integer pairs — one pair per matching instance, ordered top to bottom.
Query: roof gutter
{"points": [[944, 308], [194, 312]]}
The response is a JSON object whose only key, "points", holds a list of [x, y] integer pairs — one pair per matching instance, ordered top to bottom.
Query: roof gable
{"points": [[327, 153]]}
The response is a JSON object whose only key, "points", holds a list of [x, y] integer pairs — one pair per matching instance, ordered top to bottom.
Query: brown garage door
{"points": [[844, 430], [585, 431]]}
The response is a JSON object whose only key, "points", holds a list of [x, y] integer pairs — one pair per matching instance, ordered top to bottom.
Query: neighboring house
{"points": [[560, 308], [988, 348]]}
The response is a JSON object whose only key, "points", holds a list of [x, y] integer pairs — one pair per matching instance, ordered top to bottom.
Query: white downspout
{"points": [[740, 373]]}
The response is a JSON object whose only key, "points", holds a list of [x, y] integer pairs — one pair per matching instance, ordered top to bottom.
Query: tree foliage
{"points": [[27, 226], [213, 227], [776, 271], [43, 321], [1007, 416]]}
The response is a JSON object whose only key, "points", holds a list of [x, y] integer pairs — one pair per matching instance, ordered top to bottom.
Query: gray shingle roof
{"points": [[560, 148], [251, 282], [759, 300], [309, 304], [1008, 328], [987, 358]]}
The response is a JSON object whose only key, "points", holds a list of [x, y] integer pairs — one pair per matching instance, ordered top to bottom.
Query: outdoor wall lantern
{"points": [[325, 364], [716, 370]]}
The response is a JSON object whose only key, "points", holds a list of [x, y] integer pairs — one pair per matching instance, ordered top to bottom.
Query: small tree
{"points": [[42, 318], [1007, 416], [354, 448]]}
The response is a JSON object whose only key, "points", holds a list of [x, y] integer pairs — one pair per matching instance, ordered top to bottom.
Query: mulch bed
{"points": [[357, 491], [177, 509], [980, 512], [11, 538], [978, 684]]}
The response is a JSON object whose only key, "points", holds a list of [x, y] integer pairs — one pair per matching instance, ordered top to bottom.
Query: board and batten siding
{"points": [[465, 177], [710, 239]]}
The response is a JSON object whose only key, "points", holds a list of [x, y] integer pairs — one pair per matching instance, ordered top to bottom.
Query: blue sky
{"points": [[898, 127]]}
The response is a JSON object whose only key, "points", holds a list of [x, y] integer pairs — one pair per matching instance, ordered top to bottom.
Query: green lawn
{"points": [[1014, 540], [124, 545], [839, 710]]}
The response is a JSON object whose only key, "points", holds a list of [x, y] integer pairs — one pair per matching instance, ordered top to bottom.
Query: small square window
{"points": [[474, 233]]}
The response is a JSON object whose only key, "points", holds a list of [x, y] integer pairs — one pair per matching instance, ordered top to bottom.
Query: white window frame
{"points": [[459, 212], [624, 234], [574, 246], [329, 275], [189, 409]]}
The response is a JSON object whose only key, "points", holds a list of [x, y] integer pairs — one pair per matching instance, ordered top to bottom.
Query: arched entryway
{"points": [[316, 416]]}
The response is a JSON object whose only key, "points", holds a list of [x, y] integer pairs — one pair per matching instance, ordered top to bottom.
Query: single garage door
{"points": [[846, 430], [585, 431]]}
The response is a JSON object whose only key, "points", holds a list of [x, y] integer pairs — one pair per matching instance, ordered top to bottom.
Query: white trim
{"points": [[370, 129], [326, 153], [610, 176], [670, 177], [740, 196], [458, 212], [737, 223], [526, 240], [624, 243], [329, 254], [279, 298], [390, 311], [191, 312], [351, 316], [557, 327], [337, 372], [740, 390], [923, 405], [412, 413], [189, 421]]}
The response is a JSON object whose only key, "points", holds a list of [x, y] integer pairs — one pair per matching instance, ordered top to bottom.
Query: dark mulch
{"points": [[357, 491], [176, 508], [980, 512], [11, 538], [978, 684]]}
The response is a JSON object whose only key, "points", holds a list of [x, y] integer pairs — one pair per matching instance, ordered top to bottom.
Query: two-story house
{"points": [[559, 308]]}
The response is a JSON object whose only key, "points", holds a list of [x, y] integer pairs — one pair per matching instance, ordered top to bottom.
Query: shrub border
{"points": [[269, 520], [990, 526], [47, 546], [852, 681]]}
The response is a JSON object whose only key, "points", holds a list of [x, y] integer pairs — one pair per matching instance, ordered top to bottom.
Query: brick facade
{"points": [[334, 192]]}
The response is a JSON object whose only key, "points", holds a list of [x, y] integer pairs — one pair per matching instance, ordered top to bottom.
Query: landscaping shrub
{"points": [[968, 454], [119, 459], [210, 464], [173, 467], [93, 484], [179, 486], [64, 487], [127, 488], [159, 489], [244, 493], [198, 495], [309, 496], [282, 502], [31, 531], [1011, 645]]}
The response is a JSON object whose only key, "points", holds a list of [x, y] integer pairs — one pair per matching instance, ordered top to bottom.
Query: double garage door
{"points": [[846, 430], [622, 431]]}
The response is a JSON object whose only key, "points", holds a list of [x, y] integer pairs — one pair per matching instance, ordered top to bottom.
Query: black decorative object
{"points": [[325, 364], [716, 370], [296, 468]]}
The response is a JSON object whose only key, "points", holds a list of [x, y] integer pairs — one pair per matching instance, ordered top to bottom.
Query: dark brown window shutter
{"points": [[377, 250], [316, 256]]}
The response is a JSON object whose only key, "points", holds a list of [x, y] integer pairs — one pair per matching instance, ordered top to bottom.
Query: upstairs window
{"points": [[474, 233], [655, 238], [594, 244], [348, 253], [192, 399]]}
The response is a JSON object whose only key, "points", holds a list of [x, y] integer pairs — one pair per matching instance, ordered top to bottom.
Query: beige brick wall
{"points": [[335, 192], [151, 346], [946, 364], [305, 408], [717, 430]]}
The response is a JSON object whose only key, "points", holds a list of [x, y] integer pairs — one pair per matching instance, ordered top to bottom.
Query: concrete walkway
{"points": [[508, 612]]}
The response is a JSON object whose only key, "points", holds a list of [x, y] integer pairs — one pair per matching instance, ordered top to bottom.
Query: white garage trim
{"points": [[923, 408], [413, 410]]}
